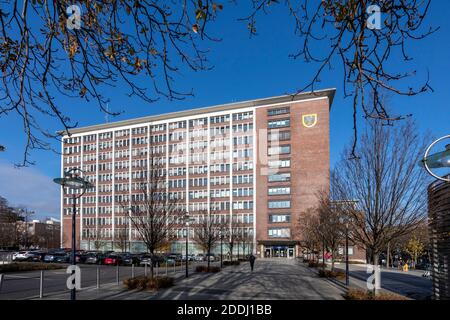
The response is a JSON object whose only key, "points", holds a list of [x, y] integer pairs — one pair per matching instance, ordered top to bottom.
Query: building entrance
{"points": [[279, 252]]}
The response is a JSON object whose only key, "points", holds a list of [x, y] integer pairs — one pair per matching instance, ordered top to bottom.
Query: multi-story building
{"points": [[258, 162]]}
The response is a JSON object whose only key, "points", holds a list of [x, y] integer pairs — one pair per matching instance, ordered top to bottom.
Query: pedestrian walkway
{"points": [[272, 279]]}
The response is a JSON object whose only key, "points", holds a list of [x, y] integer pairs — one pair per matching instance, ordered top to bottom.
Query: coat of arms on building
{"points": [[309, 120]]}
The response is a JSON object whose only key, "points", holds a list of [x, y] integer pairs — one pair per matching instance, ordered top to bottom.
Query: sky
{"points": [[244, 68]]}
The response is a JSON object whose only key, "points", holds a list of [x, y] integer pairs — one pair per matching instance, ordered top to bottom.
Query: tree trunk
{"points": [[208, 258], [375, 258], [332, 260]]}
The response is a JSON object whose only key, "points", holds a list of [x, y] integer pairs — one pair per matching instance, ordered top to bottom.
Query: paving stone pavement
{"points": [[273, 279]]}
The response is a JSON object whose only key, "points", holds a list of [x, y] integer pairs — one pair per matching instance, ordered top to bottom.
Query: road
{"points": [[410, 284], [25, 285]]}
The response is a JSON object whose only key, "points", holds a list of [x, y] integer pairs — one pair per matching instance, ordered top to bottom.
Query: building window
{"points": [[278, 111], [279, 123], [279, 135], [286, 149], [286, 163], [280, 177], [273, 191], [279, 204], [279, 218], [279, 232], [342, 250]]}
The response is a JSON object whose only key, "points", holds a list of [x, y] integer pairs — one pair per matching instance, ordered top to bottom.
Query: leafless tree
{"points": [[49, 50], [373, 59], [387, 184], [152, 212], [331, 222], [307, 229], [207, 232], [232, 234], [121, 239]]}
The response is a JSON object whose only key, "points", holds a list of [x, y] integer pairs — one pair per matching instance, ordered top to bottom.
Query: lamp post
{"points": [[437, 160], [73, 181]]}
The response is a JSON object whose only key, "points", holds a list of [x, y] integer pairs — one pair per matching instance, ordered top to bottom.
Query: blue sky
{"points": [[244, 68]]}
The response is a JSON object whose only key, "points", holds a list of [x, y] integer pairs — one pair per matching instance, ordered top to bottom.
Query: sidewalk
{"points": [[271, 280]]}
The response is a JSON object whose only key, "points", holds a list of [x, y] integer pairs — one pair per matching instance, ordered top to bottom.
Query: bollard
{"points": [[132, 270], [145, 270], [117, 274], [98, 277], [41, 285]]}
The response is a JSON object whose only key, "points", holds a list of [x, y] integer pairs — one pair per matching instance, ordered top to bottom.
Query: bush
{"points": [[231, 263], [315, 264], [28, 266], [205, 269], [331, 274], [148, 283], [357, 294]]}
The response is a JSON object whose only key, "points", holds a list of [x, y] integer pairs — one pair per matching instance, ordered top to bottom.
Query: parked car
{"points": [[21, 256], [38, 256], [58, 257], [190, 257], [200, 257], [211, 257], [94, 258], [171, 258], [113, 259], [129, 259], [146, 259]]}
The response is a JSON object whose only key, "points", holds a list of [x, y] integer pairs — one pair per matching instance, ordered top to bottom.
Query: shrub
{"points": [[231, 263], [315, 264], [28, 266], [205, 269], [331, 274], [142, 283], [357, 294]]}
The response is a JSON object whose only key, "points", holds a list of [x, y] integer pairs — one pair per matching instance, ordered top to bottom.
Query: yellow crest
{"points": [[309, 120]]}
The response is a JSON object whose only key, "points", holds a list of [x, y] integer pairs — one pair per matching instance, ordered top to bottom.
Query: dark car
{"points": [[58, 257], [94, 258], [174, 258], [128, 259], [113, 260]]}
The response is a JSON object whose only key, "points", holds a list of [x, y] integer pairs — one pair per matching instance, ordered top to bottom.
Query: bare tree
{"points": [[55, 49], [49, 50], [365, 51], [387, 183], [153, 214], [331, 222], [307, 229], [207, 232], [232, 234], [121, 239]]}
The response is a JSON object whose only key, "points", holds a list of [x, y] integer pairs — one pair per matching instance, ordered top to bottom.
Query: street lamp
{"points": [[437, 160], [73, 181], [187, 219]]}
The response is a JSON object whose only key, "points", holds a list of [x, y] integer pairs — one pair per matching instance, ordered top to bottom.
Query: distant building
{"points": [[44, 234]]}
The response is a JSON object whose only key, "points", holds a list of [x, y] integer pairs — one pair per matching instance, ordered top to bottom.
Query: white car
{"points": [[22, 255]]}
